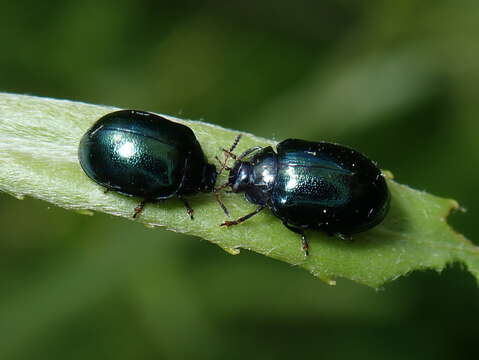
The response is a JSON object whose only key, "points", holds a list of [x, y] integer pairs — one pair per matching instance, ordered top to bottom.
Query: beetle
{"points": [[137, 153], [310, 185]]}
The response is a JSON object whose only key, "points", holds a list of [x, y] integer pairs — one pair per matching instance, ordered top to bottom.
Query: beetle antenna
{"points": [[235, 143], [228, 153], [218, 159], [221, 187]]}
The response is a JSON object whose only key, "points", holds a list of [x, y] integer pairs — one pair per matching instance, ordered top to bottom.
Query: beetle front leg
{"points": [[243, 218]]}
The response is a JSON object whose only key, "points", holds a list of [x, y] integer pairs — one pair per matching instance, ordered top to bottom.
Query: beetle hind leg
{"points": [[304, 240]]}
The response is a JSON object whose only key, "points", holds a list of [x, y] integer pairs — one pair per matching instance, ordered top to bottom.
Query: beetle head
{"points": [[239, 177]]}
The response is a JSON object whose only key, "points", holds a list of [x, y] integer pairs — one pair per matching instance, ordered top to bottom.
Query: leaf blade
{"points": [[39, 139]]}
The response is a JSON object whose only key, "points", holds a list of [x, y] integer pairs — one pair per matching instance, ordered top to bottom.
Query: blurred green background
{"points": [[397, 80]]}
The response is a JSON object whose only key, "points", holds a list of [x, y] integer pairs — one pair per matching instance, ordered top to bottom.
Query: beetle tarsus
{"points": [[139, 209], [189, 209], [304, 240], [305, 245]]}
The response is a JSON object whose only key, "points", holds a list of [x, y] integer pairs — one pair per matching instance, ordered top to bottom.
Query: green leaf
{"points": [[39, 139]]}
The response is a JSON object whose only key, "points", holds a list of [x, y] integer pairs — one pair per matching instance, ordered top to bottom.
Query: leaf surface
{"points": [[39, 140]]}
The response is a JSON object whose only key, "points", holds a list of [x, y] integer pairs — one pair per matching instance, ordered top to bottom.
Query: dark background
{"points": [[397, 80]]}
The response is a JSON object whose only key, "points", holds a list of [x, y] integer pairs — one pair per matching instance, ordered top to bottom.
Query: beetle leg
{"points": [[183, 178], [221, 203], [139, 208], [189, 209], [243, 218], [304, 241]]}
